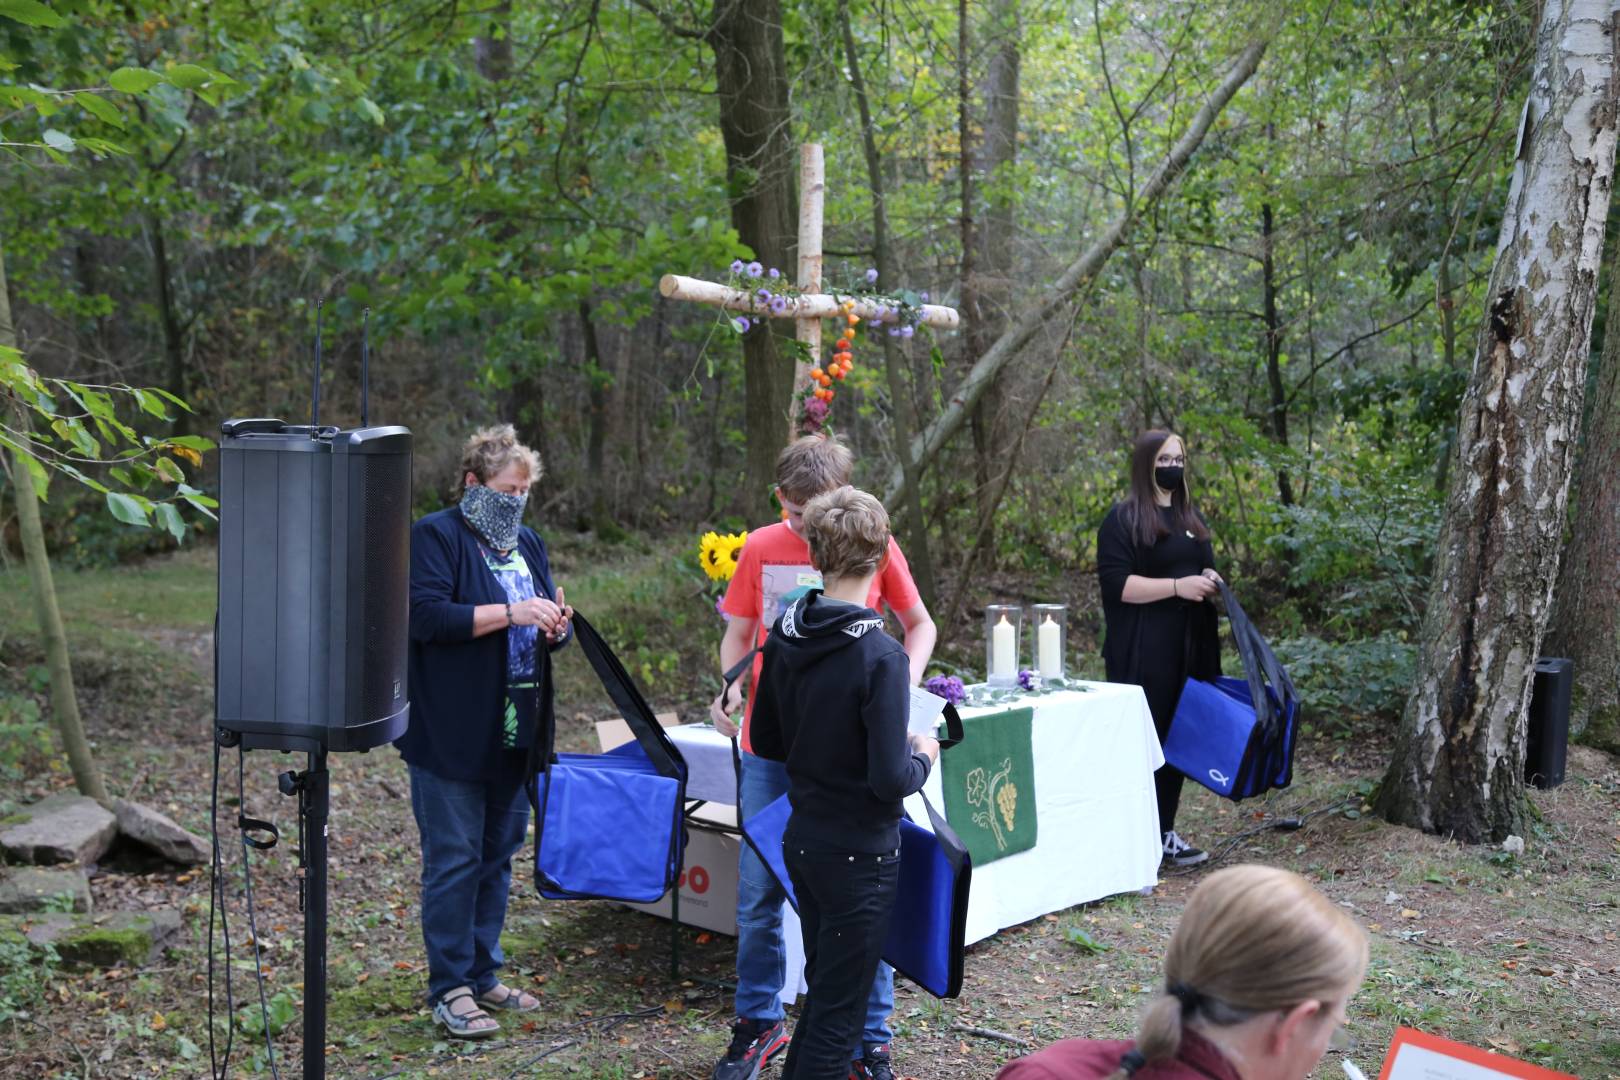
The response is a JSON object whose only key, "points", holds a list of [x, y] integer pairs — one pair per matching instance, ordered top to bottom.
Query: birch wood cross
{"points": [[811, 305]]}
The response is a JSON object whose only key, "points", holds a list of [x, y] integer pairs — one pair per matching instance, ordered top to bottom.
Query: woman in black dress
{"points": [[1156, 567]]}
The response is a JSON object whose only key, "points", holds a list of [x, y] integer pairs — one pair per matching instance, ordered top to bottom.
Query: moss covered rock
{"points": [[134, 938]]}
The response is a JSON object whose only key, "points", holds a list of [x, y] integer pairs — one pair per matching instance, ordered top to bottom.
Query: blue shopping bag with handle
{"points": [[1236, 736], [608, 826]]}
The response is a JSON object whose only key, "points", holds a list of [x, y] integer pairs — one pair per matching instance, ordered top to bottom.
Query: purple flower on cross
{"points": [[736, 266], [754, 269], [773, 273], [871, 277], [763, 296], [923, 297], [779, 305], [741, 324], [907, 331], [948, 687]]}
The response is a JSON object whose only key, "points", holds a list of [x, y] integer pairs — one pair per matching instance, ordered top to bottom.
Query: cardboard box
{"points": [[615, 732], [708, 884]]}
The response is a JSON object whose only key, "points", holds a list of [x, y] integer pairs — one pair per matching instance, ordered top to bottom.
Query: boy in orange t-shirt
{"points": [[773, 568]]}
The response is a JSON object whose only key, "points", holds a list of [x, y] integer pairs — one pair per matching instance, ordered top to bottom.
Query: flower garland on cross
{"points": [[772, 296]]}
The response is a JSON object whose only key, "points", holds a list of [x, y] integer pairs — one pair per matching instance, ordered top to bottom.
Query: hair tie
{"points": [[1185, 994], [1132, 1061]]}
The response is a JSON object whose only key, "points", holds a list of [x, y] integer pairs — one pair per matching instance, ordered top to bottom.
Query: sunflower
{"points": [[718, 554]]}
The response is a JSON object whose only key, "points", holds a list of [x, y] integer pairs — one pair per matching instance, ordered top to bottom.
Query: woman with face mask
{"points": [[1156, 567], [482, 606], [1257, 977]]}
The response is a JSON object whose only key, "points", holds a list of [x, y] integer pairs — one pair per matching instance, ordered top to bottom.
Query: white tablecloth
{"points": [[1095, 752]]}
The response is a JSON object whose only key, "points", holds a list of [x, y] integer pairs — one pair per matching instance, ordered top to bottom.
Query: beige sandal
{"points": [[504, 997], [474, 1023]]}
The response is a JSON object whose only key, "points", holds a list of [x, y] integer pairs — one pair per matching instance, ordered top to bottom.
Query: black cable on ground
{"points": [[1287, 824], [216, 888], [253, 925]]}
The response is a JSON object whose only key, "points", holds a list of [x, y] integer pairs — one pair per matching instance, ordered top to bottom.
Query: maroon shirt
{"points": [[1089, 1059]]}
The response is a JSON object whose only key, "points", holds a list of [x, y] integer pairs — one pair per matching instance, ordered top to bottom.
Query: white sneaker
{"points": [[1177, 852]]}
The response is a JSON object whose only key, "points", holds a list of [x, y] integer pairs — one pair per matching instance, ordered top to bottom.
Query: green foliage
{"points": [[1343, 682], [26, 748], [25, 973]]}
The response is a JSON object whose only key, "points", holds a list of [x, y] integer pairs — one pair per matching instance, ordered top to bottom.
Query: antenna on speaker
{"points": [[365, 368], [315, 390]]}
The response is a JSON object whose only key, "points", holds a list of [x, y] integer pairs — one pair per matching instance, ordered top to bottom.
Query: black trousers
{"points": [[1162, 696], [845, 901]]}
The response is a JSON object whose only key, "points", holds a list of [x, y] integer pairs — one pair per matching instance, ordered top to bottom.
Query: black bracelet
{"points": [[1175, 590], [508, 614]]}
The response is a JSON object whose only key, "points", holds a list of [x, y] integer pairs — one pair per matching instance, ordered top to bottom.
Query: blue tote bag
{"points": [[1236, 736], [609, 826]]}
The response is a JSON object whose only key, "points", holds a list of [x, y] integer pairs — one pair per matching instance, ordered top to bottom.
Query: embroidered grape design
{"points": [[1007, 801]]}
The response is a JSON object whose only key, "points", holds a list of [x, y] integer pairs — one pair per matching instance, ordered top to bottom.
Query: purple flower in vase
{"points": [[1027, 679], [948, 687]]}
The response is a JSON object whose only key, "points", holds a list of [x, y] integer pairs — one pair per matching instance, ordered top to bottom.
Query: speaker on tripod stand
{"points": [[313, 622]]}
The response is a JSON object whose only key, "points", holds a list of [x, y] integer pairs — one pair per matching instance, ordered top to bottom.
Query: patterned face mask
{"points": [[494, 515]]}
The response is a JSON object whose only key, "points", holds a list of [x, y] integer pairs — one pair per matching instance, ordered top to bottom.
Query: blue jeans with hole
{"points": [[469, 834], [761, 960]]}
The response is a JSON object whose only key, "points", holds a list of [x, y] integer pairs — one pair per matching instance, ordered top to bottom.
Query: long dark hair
{"points": [[1141, 509]]}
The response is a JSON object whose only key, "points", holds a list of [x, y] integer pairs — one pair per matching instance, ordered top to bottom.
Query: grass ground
{"points": [[1518, 954]]}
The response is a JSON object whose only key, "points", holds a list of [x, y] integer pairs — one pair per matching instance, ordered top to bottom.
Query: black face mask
{"points": [[1169, 477]]}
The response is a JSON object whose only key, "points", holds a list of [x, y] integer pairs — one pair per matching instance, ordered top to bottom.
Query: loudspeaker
{"points": [[314, 584], [1548, 740]]}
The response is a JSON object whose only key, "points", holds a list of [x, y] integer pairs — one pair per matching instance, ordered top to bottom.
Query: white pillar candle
{"points": [[1050, 638], [1003, 649]]}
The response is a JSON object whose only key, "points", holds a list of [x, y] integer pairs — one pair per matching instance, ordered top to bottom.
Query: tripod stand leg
{"points": [[315, 803]]}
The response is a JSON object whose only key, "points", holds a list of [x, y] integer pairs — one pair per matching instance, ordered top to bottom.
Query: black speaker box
{"points": [[314, 584], [1547, 744]]}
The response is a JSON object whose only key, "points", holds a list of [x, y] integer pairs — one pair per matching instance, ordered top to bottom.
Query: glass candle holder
{"points": [[1003, 630], [1051, 640]]}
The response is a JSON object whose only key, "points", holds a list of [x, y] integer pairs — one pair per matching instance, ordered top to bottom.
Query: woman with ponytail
{"points": [[1259, 972]]}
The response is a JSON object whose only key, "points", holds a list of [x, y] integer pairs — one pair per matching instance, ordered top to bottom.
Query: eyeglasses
{"points": [[1166, 459]]}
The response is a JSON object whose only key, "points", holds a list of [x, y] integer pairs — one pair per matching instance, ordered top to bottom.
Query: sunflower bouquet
{"points": [[718, 555]]}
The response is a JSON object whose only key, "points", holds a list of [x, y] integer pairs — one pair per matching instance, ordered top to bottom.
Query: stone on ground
{"points": [[60, 829], [160, 833], [26, 889], [135, 938]]}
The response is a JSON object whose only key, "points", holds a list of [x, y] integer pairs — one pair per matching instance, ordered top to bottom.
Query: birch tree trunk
{"points": [[756, 127], [959, 405], [1585, 623], [64, 697], [1459, 757]]}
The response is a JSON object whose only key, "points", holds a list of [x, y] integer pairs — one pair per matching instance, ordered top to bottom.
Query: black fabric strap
{"points": [[253, 825], [1132, 1061]]}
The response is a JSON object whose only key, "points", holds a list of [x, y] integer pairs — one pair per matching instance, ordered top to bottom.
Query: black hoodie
{"points": [[834, 696]]}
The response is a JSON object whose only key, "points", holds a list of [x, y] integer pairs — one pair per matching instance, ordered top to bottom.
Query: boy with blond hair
{"points": [[773, 569], [832, 707]]}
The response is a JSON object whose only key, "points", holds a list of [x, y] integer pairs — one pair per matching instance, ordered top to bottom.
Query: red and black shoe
{"points": [[753, 1043], [874, 1066]]}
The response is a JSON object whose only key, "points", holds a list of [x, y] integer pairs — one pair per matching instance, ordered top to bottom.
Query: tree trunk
{"points": [[493, 52], [756, 127], [993, 261], [173, 336], [1274, 379], [599, 381], [960, 403], [901, 422], [1585, 623], [64, 698], [1459, 756]]}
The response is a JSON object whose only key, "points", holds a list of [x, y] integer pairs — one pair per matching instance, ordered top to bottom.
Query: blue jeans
{"points": [[469, 833], [761, 962]]}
